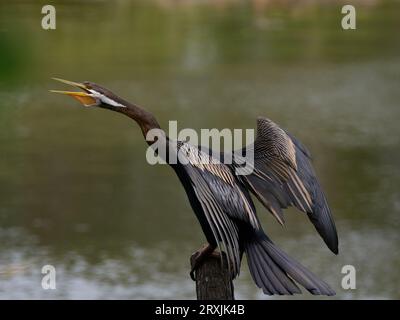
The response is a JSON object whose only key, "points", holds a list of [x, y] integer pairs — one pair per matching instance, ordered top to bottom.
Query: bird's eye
{"points": [[88, 85]]}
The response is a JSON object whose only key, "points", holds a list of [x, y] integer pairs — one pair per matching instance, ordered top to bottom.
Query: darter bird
{"points": [[281, 176]]}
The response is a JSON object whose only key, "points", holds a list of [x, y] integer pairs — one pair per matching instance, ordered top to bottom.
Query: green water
{"points": [[76, 191]]}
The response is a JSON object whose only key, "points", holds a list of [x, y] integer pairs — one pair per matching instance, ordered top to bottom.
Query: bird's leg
{"points": [[199, 256]]}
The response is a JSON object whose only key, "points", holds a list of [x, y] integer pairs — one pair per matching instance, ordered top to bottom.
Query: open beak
{"points": [[85, 98]]}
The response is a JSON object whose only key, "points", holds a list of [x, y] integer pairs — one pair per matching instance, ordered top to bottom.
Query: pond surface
{"points": [[76, 191]]}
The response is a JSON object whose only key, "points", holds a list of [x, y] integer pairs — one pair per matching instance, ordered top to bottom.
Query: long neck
{"points": [[143, 118]]}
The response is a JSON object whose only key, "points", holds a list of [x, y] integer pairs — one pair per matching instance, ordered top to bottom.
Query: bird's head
{"points": [[93, 95]]}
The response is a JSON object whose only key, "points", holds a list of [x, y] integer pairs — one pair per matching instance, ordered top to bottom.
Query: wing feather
{"points": [[283, 176]]}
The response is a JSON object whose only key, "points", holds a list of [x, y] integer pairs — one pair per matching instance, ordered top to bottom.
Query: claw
{"points": [[198, 258]]}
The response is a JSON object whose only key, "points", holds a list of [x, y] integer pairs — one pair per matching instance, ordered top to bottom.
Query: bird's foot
{"points": [[198, 258]]}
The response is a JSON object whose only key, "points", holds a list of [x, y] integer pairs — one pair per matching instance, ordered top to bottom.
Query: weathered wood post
{"points": [[213, 280]]}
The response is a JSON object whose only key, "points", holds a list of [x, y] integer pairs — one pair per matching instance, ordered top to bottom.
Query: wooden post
{"points": [[213, 280]]}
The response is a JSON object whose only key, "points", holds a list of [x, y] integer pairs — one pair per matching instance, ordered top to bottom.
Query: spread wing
{"points": [[283, 176], [224, 202]]}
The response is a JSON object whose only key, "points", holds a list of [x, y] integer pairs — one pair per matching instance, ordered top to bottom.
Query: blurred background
{"points": [[76, 191]]}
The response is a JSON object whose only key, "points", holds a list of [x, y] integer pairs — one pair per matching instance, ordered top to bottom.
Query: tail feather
{"points": [[276, 273], [258, 278], [282, 283]]}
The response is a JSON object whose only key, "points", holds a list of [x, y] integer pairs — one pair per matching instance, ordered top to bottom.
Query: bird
{"points": [[282, 176]]}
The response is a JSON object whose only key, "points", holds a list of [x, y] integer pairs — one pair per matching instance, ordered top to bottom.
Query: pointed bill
{"points": [[71, 83], [83, 97]]}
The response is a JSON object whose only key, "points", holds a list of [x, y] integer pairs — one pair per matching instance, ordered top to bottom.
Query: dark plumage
{"points": [[283, 176]]}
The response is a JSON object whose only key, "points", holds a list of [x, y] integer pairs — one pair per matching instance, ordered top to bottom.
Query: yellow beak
{"points": [[84, 98]]}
